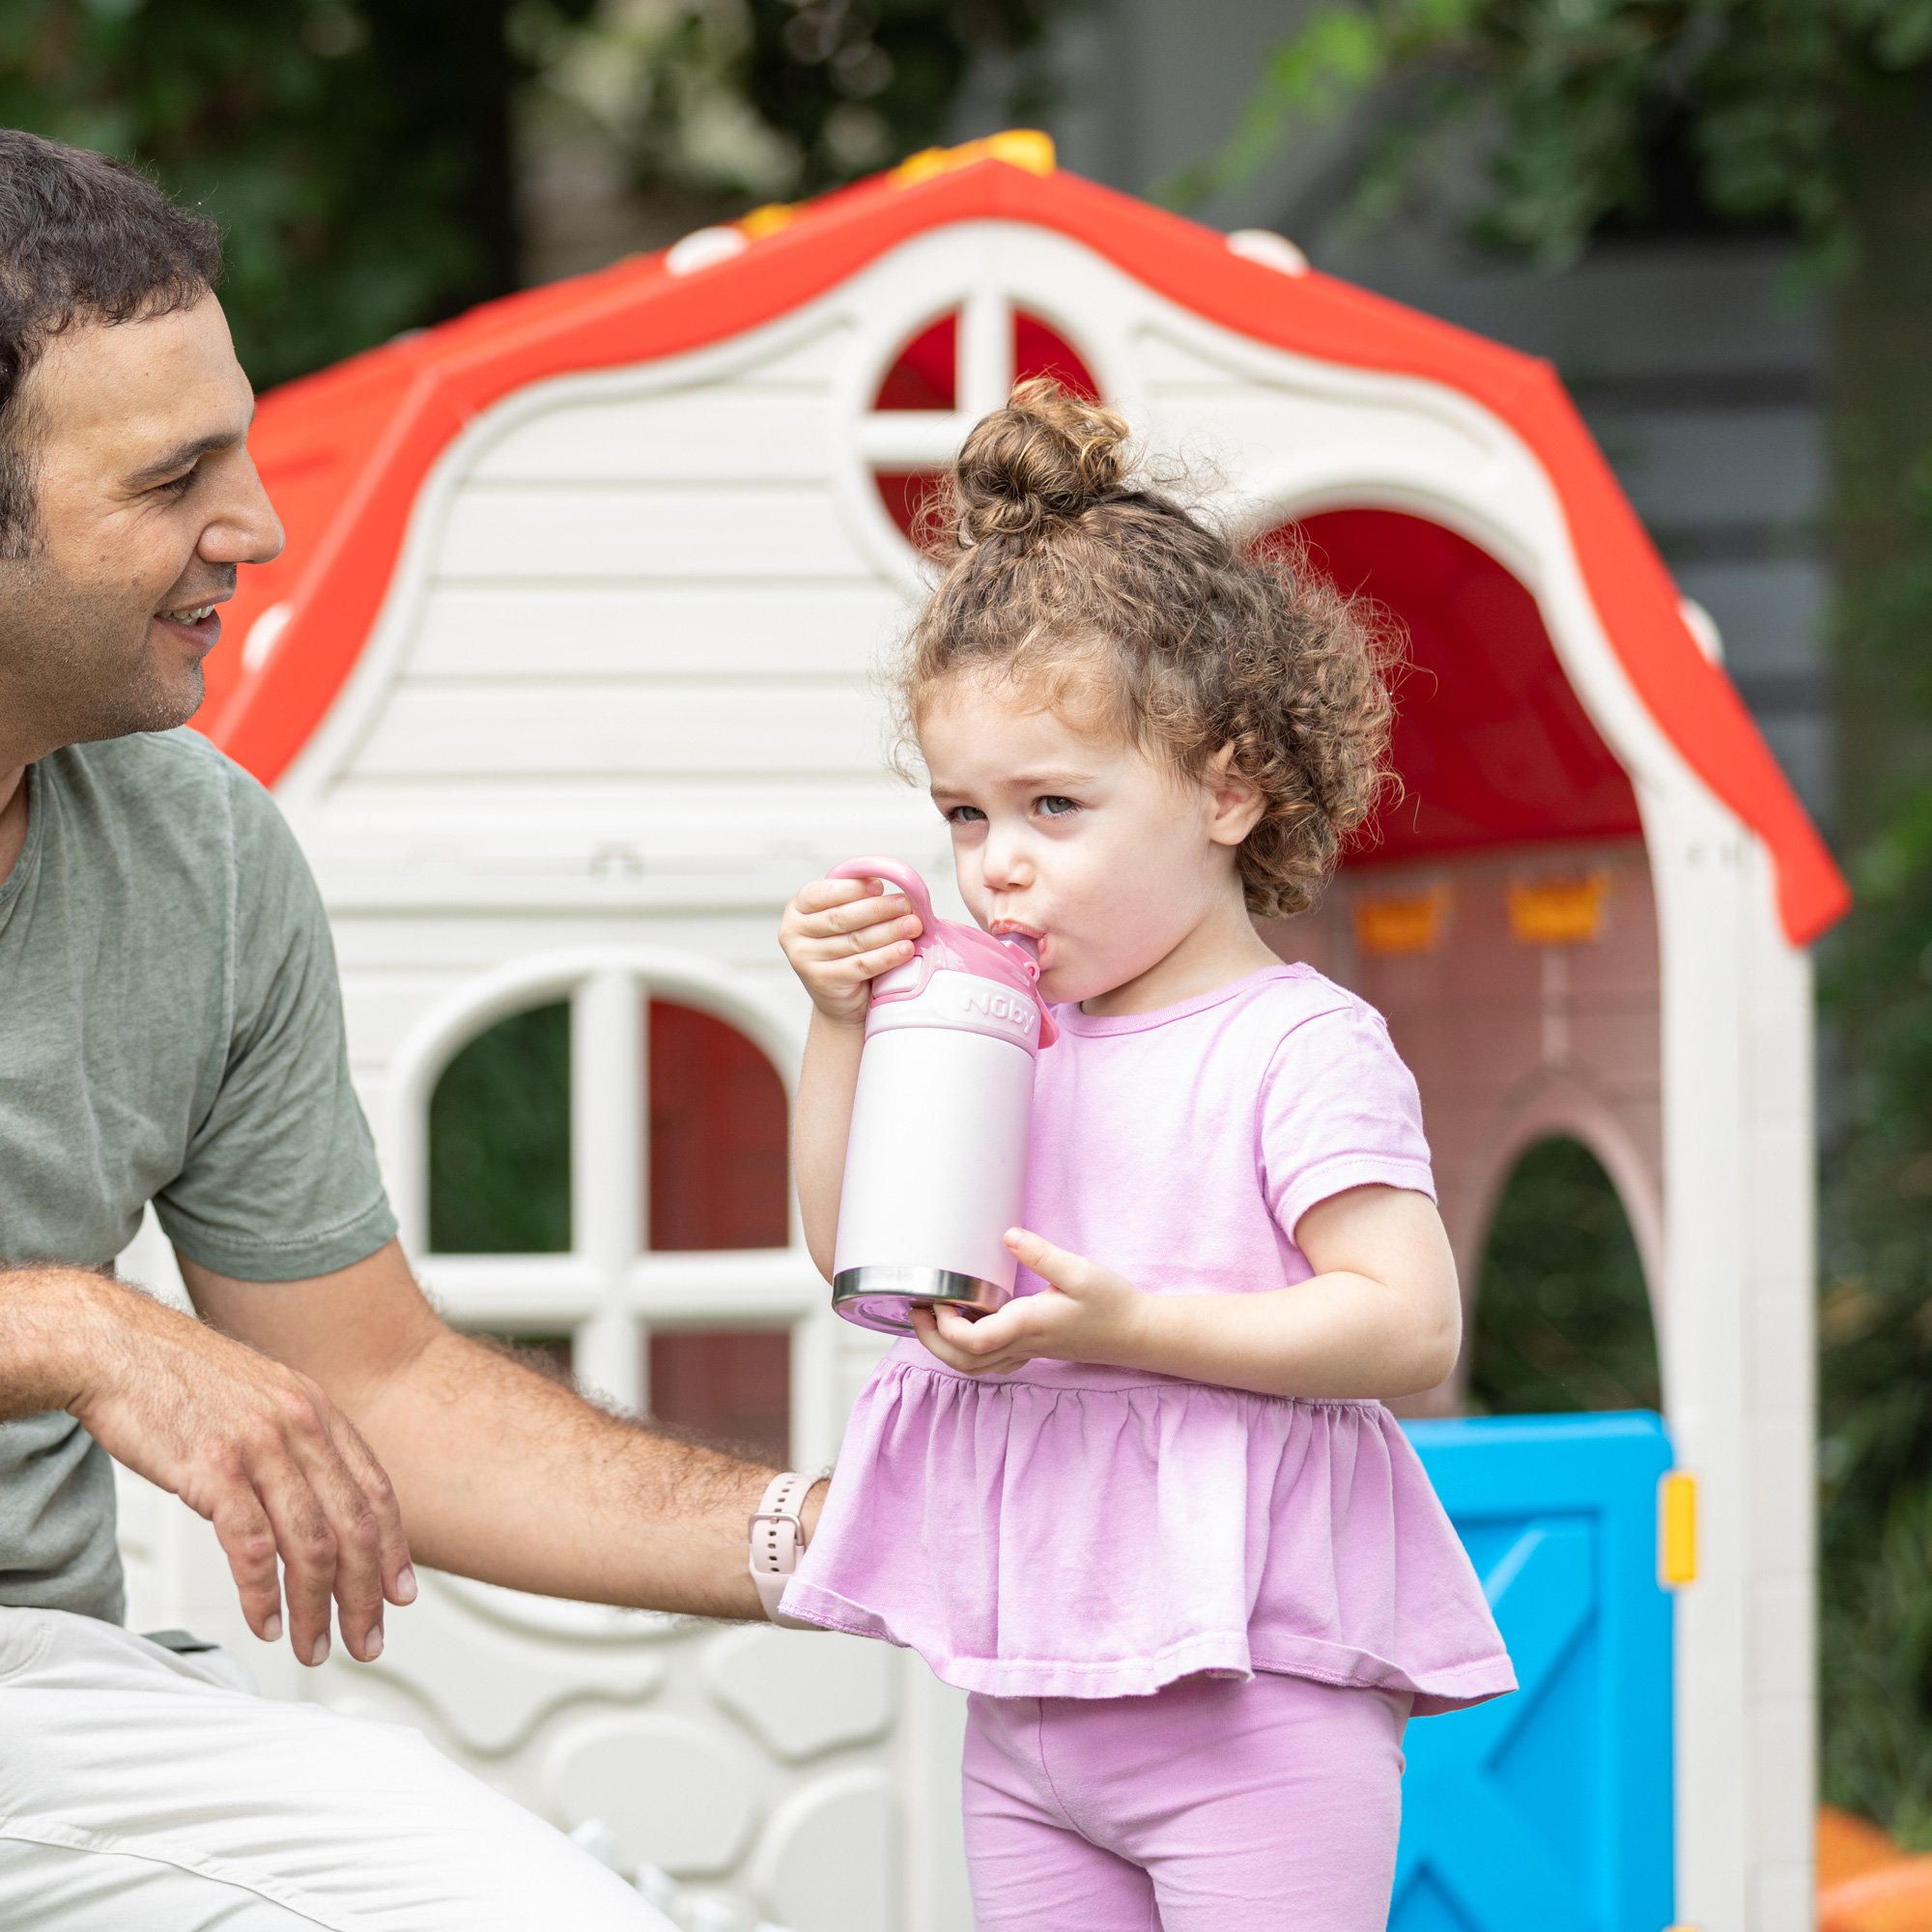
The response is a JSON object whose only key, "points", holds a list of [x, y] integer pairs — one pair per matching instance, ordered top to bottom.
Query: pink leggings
{"points": [[1211, 1806]]}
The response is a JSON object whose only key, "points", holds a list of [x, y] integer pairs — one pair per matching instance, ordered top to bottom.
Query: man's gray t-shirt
{"points": [[170, 1030]]}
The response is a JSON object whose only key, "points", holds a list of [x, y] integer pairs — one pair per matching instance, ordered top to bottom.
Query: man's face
{"points": [[145, 502]]}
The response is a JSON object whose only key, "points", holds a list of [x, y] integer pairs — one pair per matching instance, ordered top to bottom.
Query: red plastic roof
{"points": [[343, 452]]}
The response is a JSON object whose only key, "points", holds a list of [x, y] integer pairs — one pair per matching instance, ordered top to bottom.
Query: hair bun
{"points": [[1041, 460]]}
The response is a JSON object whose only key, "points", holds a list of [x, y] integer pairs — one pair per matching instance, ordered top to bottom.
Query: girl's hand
{"points": [[839, 935], [1086, 1314]]}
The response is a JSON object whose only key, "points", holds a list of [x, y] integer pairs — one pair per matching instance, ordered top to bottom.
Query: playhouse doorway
{"points": [[1562, 1309]]}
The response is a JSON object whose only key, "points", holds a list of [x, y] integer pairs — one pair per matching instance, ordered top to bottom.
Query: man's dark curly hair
{"points": [[83, 239]]}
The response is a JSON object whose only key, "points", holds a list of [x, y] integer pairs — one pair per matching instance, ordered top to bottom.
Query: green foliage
{"points": [[779, 97], [1572, 100], [356, 155], [500, 1141], [1562, 1315], [1876, 1316]]}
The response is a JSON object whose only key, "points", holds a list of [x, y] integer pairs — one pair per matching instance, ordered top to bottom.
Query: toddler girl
{"points": [[1150, 1513]]}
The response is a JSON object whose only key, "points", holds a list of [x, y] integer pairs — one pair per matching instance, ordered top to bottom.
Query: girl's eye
{"points": [[1053, 805], [964, 815]]}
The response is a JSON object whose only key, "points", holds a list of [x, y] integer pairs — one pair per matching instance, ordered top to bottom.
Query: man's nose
{"points": [[245, 528]]}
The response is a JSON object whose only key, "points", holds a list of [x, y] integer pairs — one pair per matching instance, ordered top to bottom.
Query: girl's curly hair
{"points": [[1116, 602]]}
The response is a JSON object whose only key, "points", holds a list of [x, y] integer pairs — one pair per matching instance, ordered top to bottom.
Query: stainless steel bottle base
{"points": [[878, 1297]]}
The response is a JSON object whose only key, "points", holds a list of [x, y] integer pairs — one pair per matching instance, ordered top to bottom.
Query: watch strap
{"points": [[777, 1541]]}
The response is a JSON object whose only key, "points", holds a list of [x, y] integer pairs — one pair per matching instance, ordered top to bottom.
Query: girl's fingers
{"points": [[817, 894], [858, 905], [864, 938], [869, 965], [1050, 1263], [926, 1325], [985, 1336]]}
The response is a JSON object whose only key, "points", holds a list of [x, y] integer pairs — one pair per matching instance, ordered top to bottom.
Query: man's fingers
{"points": [[353, 1525], [247, 1539], [309, 1548], [399, 1576]]}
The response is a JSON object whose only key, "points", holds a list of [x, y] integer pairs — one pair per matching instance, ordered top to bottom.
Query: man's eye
{"points": [[177, 486], [1053, 805]]}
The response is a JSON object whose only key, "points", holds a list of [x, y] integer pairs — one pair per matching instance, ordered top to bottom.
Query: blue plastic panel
{"points": [[1550, 1810]]}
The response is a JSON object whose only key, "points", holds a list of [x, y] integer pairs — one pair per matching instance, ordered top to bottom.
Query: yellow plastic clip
{"points": [[1024, 148], [768, 219], [1676, 1533]]}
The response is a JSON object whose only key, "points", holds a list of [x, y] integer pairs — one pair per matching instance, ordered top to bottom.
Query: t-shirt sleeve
{"points": [[1338, 1110], [280, 1181]]}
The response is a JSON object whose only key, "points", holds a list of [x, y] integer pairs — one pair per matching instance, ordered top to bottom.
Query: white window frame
{"points": [[985, 274], [983, 379], [609, 1292]]}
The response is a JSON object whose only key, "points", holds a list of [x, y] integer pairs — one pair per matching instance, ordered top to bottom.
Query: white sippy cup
{"points": [[935, 1162]]}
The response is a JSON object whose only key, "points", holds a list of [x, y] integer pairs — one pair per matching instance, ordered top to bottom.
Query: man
{"points": [[170, 1030]]}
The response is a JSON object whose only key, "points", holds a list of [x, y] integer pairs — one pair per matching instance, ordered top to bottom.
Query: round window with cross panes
{"points": [[948, 371]]}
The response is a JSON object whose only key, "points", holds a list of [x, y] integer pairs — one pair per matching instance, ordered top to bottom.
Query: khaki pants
{"points": [[142, 1791]]}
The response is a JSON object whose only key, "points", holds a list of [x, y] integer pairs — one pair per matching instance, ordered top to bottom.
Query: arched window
{"points": [[947, 376], [605, 1179], [1563, 1318]]}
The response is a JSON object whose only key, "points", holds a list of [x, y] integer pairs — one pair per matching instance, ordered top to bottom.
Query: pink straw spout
{"points": [[1027, 946]]}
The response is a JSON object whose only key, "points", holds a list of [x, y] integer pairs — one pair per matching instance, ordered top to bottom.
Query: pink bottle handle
{"points": [[895, 872]]}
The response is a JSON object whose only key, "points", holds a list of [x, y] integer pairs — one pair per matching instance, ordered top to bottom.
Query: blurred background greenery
{"points": [[381, 165]]}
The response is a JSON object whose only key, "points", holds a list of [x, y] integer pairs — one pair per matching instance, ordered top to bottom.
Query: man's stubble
{"points": [[77, 664]]}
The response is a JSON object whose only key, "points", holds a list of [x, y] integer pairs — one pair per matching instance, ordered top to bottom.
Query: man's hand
{"points": [[1086, 1313], [259, 1451]]}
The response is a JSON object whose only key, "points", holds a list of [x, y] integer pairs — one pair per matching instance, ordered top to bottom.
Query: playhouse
{"points": [[564, 683]]}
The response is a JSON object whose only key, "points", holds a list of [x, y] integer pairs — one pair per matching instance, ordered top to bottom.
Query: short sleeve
{"points": [[1338, 1110], [280, 1181]]}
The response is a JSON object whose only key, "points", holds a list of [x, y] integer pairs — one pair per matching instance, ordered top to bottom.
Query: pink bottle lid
{"points": [[947, 946]]}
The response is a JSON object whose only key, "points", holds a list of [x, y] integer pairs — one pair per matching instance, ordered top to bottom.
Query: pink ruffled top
{"points": [[1076, 1530]]}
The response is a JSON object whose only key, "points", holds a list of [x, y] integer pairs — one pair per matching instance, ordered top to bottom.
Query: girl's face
{"points": [[1114, 864]]}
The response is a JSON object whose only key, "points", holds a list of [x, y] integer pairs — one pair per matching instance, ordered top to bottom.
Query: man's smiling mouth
{"points": [[200, 621]]}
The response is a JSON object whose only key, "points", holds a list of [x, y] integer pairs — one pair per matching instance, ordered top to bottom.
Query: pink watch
{"points": [[777, 1541]]}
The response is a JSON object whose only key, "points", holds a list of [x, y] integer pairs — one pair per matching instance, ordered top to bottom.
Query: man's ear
{"points": [[1235, 800]]}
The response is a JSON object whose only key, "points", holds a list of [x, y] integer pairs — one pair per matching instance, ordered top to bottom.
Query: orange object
{"points": [[345, 453], [1558, 912], [1388, 923], [1849, 1847], [1865, 1884], [1897, 1899]]}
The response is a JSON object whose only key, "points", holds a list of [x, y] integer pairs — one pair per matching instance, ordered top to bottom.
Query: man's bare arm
{"points": [[502, 1474]]}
